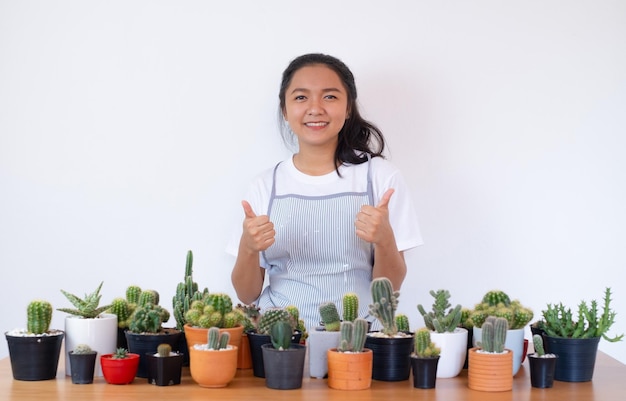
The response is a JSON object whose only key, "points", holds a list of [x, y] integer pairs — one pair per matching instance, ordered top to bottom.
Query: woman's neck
{"points": [[314, 163]]}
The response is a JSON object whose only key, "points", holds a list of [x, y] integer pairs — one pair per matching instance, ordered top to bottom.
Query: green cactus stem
{"points": [[132, 294], [384, 304], [350, 305], [121, 308], [38, 316], [330, 316], [402, 323], [494, 332], [280, 334], [359, 334], [345, 344], [538, 345], [424, 348], [164, 350]]}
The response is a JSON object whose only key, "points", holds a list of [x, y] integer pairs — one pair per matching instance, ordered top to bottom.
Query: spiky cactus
{"points": [[186, 293], [132, 294], [148, 297], [498, 303], [350, 304], [384, 304], [87, 307], [121, 308], [272, 315], [38, 316], [330, 316], [442, 318], [147, 319], [299, 323], [402, 323], [280, 334], [494, 334], [353, 335], [538, 345], [424, 348], [82, 349], [164, 350]]}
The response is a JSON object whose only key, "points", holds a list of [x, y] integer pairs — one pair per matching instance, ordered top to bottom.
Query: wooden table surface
{"points": [[608, 384]]}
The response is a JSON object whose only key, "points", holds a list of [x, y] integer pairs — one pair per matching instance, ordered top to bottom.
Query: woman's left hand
{"points": [[372, 223]]}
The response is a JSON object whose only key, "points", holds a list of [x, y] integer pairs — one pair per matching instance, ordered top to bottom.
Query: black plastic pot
{"points": [[256, 341], [143, 344], [35, 357], [392, 357], [577, 357], [82, 367], [283, 368], [542, 370], [164, 371], [424, 372]]}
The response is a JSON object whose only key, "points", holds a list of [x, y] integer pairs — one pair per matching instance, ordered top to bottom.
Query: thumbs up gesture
{"points": [[372, 222], [258, 231]]}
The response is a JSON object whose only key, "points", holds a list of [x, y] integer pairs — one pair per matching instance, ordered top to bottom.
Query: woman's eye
{"points": [[300, 97], [332, 97]]}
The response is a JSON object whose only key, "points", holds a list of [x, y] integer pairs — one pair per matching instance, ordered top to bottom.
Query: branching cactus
{"points": [[186, 293], [385, 302], [350, 307], [38, 316], [330, 316], [270, 317], [442, 318], [402, 323], [280, 334], [494, 334], [353, 335], [217, 340], [538, 345], [424, 348], [164, 350]]}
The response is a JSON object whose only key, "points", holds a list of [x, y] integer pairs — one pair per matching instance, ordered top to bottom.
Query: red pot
{"points": [[119, 371]]}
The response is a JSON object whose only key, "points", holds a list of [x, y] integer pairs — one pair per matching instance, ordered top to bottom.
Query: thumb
{"points": [[384, 201], [247, 209]]}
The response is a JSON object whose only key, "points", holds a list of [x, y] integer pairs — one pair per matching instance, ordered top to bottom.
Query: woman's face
{"points": [[316, 106]]}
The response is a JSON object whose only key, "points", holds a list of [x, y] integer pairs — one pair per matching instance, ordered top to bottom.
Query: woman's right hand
{"points": [[258, 231]]}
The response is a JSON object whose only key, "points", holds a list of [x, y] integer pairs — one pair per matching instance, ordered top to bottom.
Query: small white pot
{"points": [[99, 333], [319, 342], [514, 342], [453, 351]]}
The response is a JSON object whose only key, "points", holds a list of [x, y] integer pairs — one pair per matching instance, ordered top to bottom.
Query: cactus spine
{"points": [[385, 302], [350, 306], [38, 316], [330, 316], [424, 348], [164, 350]]}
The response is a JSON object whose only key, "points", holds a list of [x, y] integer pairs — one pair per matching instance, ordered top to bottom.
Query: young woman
{"points": [[335, 214]]}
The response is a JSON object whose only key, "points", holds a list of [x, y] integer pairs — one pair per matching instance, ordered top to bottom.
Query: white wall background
{"points": [[129, 131]]}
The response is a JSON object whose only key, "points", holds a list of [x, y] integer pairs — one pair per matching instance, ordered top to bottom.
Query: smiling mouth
{"points": [[316, 124]]}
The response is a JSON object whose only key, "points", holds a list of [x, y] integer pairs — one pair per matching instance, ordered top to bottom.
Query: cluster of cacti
{"points": [[186, 292], [135, 296], [498, 303], [384, 304], [350, 305], [87, 307], [213, 310], [272, 315], [38, 316], [330, 316], [148, 318], [442, 318], [590, 322], [402, 323], [280, 334], [494, 334], [353, 335], [217, 340], [423, 347], [82, 349], [164, 350]]}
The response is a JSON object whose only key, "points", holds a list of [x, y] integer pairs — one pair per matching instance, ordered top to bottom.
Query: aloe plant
{"points": [[87, 307]]}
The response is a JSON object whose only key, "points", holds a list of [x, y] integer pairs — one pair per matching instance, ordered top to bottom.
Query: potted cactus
{"points": [[498, 303], [123, 308], [88, 322], [444, 323], [145, 329], [323, 338], [575, 339], [392, 348], [34, 351], [283, 360], [424, 360], [214, 362], [350, 363], [490, 363], [82, 364], [542, 365], [165, 366], [119, 367]]}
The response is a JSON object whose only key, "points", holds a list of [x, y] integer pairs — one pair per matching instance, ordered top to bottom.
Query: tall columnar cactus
{"points": [[186, 292], [132, 294], [384, 304], [350, 305], [38, 316], [271, 316], [330, 316], [442, 318], [402, 323], [346, 329], [280, 334], [494, 334], [424, 348]]}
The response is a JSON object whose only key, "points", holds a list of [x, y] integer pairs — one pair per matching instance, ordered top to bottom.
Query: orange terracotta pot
{"points": [[198, 335], [244, 356], [210, 368], [350, 371], [490, 372]]}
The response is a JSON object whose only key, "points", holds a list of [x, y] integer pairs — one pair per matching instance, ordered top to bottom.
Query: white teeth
{"points": [[315, 124]]}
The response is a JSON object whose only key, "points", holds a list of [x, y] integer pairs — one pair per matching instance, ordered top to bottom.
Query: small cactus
{"points": [[132, 294], [384, 304], [350, 306], [122, 309], [38, 316], [271, 316], [330, 316], [442, 318], [147, 319], [402, 323], [280, 334], [494, 334], [353, 335], [217, 340], [538, 345], [424, 348], [82, 349], [164, 350], [120, 353]]}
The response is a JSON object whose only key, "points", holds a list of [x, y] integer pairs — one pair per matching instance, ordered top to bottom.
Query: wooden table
{"points": [[609, 383]]}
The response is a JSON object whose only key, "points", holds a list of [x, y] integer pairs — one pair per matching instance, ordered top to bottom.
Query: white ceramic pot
{"points": [[99, 333], [319, 342], [514, 342], [453, 351]]}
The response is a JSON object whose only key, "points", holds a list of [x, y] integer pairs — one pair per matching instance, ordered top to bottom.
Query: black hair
{"points": [[358, 137]]}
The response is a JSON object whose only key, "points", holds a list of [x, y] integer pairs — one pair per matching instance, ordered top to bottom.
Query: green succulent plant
{"points": [[87, 307]]}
